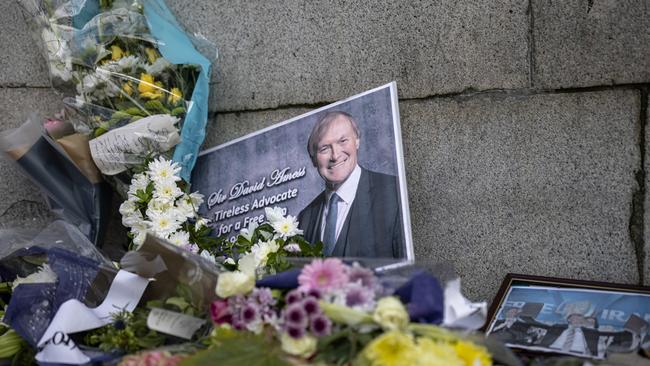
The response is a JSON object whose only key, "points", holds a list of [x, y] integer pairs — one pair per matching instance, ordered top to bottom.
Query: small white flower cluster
{"points": [[168, 209], [252, 263]]}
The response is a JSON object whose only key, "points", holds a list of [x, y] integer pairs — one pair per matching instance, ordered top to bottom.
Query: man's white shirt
{"points": [[346, 192]]}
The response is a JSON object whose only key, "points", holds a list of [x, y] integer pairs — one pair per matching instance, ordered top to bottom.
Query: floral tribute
{"points": [[338, 314]]}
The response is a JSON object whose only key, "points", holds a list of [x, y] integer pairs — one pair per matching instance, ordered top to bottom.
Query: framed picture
{"points": [[339, 169], [577, 318]]}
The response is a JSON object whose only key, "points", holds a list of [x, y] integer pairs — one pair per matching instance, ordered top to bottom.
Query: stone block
{"points": [[585, 43], [279, 53], [22, 62], [225, 127], [539, 184], [644, 253]]}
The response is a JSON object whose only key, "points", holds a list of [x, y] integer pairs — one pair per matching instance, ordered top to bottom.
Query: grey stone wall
{"points": [[524, 122]]}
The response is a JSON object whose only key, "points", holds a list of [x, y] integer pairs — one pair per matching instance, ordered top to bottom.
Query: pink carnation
{"points": [[326, 274], [152, 358]]}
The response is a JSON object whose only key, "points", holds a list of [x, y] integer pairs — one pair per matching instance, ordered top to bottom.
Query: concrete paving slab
{"points": [[585, 43], [279, 53], [21, 61]]}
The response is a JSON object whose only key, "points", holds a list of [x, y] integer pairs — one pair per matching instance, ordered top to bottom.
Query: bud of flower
{"points": [[391, 314]]}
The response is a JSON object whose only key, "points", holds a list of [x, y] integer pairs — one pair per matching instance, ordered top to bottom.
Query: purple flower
{"points": [[363, 275], [314, 292], [356, 295], [263, 296], [293, 297], [310, 305], [220, 312], [249, 313], [295, 316], [320, 326], [296, 332]]}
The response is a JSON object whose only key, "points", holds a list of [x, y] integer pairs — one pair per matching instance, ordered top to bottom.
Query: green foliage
{"points": [[156, 107], [129, 333], [239, 348], [341, 348]]}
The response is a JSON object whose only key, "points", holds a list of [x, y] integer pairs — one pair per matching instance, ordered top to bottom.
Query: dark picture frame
{"points": [[536, 314]]}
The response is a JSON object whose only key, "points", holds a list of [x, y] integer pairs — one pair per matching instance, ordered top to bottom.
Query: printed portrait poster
{"points": [[346, 185]]}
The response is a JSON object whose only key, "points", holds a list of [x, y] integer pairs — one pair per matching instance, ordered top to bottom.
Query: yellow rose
{"points": [[116, 52], [152, 55], [175, 95], [234, 283], [390, 314], [302, 347]]}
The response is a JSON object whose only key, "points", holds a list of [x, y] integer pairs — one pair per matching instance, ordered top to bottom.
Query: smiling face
{"points": [[336, 152]]}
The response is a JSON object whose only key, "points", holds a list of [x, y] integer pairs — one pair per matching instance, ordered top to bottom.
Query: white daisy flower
{"points": [[157, 67], [162, 169], [140, 181], [166, 190], [273, 214], [164, 223], [201, 223], [286, 227], [180, 238]]}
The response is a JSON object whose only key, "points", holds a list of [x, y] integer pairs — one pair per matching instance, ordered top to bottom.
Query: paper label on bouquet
{"points": [[128, 145], [176, 324], [55, 346]]}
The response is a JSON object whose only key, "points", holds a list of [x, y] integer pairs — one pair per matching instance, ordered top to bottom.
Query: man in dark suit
{"points": [[358, 214]]}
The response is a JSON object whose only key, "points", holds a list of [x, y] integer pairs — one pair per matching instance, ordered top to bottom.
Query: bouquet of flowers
{"points": [[132, 78]]}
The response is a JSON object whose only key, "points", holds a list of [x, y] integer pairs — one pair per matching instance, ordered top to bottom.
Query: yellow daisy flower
{"points": [[116, 52], [152, 55], [149, 88], [175, 96], [435, 353]]}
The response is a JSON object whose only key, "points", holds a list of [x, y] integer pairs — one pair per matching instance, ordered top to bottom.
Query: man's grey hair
{"points": [[322, 125]]}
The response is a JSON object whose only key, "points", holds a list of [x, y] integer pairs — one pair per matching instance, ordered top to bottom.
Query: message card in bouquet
{"points": [[339, 169]]}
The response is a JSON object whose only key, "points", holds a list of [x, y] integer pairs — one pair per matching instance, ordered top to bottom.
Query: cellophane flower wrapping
{"points": [[130, 76]]}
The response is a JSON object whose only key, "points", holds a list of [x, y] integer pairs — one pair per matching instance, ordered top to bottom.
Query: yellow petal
{"points": [[116, 52], [152, 55]]}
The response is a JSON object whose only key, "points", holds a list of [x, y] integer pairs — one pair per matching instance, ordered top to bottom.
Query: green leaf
{"points": [[156, 106], [242, 349]]}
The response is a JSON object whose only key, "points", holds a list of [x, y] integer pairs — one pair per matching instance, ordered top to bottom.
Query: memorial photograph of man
{"points": [[358, 213]]}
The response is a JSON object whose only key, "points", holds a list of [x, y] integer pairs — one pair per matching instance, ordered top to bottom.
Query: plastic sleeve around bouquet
{"points": [[123, 62], [76, 194], [171, 266], [82, 273]]}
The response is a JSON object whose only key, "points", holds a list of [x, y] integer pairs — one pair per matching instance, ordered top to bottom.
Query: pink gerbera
{"points": [[326, 274]]}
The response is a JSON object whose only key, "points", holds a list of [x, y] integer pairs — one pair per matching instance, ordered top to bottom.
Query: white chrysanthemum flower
{"points": [[128, 63], [157, 67], [88, 84], [162, 169], [139, 181], [166, 190], [196, 199], [157, 206], [185, 207], [128, 208], [273, 214], [134, 221], [164, 223], [201, 223], [286, 227], [248, 232], [138, 237], [180, 238], [292, 248], [261, 251], [205, 254], [229, 261], [248, 264], [44, 275]]}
